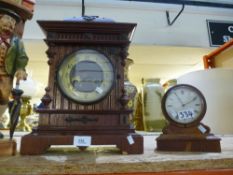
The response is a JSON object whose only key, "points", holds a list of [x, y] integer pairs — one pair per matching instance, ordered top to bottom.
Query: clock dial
{"points": [[86, 76], [184, 104]]}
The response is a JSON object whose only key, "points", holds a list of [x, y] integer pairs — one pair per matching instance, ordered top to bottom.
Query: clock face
{"points": [[86, 76], [184, 104]]}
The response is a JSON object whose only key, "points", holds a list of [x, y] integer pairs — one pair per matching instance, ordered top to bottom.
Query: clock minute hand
{"points": [[179, 99]]}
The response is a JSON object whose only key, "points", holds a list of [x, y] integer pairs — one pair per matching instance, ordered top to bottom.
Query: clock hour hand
{"points": [[193, 99]]}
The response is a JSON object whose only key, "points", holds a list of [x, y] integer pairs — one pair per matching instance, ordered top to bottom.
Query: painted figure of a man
{"points": [[13, 58]]}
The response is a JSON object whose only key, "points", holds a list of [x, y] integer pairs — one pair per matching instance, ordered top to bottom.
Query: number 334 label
{"points": [[186, 114]]}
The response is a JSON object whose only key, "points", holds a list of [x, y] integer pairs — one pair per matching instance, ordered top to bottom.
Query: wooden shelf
{"points": [[107, 160]]}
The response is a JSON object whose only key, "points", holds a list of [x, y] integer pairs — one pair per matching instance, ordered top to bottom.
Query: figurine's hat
{"points": [[17, 8], [10, 13]]}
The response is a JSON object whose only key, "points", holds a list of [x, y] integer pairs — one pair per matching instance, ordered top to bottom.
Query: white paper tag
{"points": [[99, 90], [186, 114], [202, 129], [130, 139], [82, 140]]}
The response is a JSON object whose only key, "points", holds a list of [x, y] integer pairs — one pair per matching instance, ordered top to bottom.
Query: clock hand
{"points": [[179, 99], [193, 99]]}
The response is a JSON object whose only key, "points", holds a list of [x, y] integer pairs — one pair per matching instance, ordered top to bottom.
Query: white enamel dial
{"points": [[184, 104]]}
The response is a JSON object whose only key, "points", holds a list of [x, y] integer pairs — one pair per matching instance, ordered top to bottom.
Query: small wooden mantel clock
{"points": [[85, 96], [184, 106]]}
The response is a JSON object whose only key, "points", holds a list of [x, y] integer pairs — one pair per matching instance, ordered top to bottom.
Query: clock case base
{"points": [[190, 139], [35, 143], [191, 143]]}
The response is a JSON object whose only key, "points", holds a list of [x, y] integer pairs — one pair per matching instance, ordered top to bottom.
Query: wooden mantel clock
{"points": [[85, 96], [184, 106]]}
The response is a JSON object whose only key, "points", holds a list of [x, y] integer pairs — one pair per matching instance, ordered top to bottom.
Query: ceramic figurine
{"points": [[13, 58]]}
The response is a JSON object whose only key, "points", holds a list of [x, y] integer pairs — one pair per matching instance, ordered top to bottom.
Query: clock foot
{"points": [[189, 143], [33, 145], [131, 145]]}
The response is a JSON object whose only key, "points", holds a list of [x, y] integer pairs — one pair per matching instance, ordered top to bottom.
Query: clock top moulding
{"points": [[106, 121]]}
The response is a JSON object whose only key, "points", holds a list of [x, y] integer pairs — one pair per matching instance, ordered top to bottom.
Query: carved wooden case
{"points": [[72, 36], [109, 117]]}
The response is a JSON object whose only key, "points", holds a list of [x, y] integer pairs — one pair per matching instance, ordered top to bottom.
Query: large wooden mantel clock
{"points": [[85, 97]]}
